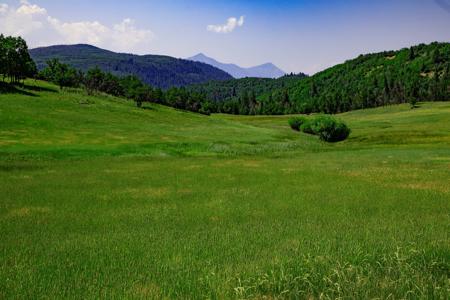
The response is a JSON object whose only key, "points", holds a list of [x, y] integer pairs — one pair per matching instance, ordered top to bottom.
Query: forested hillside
{"points": [[158, 71], [420, 73], [239, 96]]}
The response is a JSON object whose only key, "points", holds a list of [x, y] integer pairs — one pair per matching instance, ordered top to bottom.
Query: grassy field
{"points": [[100, 199]]}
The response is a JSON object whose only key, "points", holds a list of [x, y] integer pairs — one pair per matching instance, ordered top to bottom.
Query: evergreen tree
{"points": [[411, 54], [3, 60], [286, 102]]}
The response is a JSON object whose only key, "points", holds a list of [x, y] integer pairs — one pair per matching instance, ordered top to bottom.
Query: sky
{"points": [[298, 36]]}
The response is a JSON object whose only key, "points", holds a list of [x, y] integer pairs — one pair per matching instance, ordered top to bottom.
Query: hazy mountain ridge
{"points": [[156, 70], [267, 70]]}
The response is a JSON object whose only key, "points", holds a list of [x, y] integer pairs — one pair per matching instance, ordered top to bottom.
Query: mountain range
{"points": [[157, 70], [267, 70]]}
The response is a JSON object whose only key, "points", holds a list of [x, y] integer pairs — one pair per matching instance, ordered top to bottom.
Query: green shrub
{"points": [[297, 122], [308, 127], [327, 128], [331, 130]]}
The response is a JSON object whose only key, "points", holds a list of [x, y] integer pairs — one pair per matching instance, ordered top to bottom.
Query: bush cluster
{"points": [[297, 122], [327, 128]]}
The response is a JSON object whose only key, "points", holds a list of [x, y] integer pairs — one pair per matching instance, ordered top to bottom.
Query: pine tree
{"points": [[411, 54], [2, 57], [313, 92], [286, 101]]}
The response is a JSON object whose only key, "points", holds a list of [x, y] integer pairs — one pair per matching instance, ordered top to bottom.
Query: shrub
{"points": [[413, 103], [297, 122], [308, 127], [327, 128], [331, 130]]}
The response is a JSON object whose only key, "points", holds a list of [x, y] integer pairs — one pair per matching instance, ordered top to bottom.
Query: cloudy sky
{"points": [[299, 36]]}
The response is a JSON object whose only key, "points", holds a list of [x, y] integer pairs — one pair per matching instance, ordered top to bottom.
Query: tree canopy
{"points": [[15, 61]]}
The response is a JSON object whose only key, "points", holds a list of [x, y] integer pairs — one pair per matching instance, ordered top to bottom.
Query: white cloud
{"points": [[3, 8], [30, 9], [22, 21], [33, 23], [231, 25], [79, 32]]}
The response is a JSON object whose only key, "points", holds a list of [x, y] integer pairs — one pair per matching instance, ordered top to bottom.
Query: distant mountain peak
{"points": [[79, 46], [201, 55], [268, 65], [267, 70]]}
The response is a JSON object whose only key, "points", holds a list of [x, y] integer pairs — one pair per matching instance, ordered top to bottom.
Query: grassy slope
{"points": [[72, 124], [105, 200]]}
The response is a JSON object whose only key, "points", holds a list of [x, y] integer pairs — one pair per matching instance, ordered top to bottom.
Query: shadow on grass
{"points": [[6, 88], [39, 88], [18, 166]]}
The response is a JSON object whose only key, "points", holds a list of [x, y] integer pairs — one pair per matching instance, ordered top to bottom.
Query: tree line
{"points": [[420, 73], [131, 87], [244, 96], [239, 99]]}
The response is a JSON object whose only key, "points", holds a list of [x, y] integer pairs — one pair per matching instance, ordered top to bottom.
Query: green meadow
{"points": [[100, 199]]}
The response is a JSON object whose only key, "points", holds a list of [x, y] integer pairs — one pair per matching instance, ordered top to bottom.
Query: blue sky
{"points": [[299, 36]]}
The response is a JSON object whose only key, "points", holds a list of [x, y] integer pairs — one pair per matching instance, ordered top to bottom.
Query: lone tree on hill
{"points": [[15, 60]]}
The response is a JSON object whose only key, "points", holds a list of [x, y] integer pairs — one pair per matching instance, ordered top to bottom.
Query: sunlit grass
{"points": [[110, 201]]}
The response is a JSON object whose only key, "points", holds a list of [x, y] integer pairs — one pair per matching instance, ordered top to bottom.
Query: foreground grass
{"points": [[228, 207]]}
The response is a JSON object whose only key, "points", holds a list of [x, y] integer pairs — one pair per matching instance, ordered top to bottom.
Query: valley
{"points": [[101, 199]]}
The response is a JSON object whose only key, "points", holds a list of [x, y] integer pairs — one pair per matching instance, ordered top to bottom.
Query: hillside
{"points": [[156, 70], [267, 70], [420, 73], [239, 96], [44, 121], [101, 199]]}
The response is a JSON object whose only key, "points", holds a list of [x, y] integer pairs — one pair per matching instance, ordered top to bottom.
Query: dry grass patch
{"points": [[147, 192], [27, 212], [147, 291]]}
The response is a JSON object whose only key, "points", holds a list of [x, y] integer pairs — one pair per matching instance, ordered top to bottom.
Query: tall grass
{"points": [[108, 201]]}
